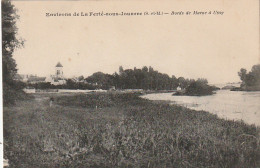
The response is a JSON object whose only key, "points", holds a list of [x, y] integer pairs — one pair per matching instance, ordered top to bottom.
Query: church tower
{"points": [[59, 70]]}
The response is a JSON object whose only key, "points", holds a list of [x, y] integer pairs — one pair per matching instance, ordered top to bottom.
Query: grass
{"points": [[122, 130]]}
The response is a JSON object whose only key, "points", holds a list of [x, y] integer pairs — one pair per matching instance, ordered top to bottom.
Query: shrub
{"points": [[198, 89], [13, 93]]}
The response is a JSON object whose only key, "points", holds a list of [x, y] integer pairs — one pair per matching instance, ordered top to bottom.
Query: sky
{"points": [[213, 46]]}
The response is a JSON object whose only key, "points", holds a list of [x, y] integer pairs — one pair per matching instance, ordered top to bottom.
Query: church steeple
{"points": [[59, 70]]}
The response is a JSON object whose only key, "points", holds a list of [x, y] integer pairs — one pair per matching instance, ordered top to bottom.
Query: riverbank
{"points": [[122, 130]]}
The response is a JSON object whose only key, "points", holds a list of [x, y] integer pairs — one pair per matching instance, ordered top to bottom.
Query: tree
{"points": [[9, 40], [9, 43], [145, 69], [121, 70], [255, 71], [242, 74], [81, 78], [101, 80], [250, 80], [202, 81], [174, 82], [182, 82]]}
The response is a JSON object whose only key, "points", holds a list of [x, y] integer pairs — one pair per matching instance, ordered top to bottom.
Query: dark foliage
{"points": [[9, 44], [145, 78], [250, 80], [70, 84], [199, 87], [13, 93]]}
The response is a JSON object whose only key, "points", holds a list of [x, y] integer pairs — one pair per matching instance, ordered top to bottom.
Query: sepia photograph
{"points": [[135, 84]]}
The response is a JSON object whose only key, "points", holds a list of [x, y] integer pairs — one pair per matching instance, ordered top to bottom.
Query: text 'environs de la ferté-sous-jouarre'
{"points": [[146, 13]]}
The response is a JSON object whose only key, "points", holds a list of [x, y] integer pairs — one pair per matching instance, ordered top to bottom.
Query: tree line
{"points": [[145, 78]]}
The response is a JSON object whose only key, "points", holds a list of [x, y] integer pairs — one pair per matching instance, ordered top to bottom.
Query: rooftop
{"points": [[59, 65]]}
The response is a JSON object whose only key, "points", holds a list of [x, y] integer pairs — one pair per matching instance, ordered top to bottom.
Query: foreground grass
{"points": [[122, 130]]}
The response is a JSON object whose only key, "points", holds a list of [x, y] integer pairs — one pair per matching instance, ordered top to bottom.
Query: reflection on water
{"points": [[226, 104]]}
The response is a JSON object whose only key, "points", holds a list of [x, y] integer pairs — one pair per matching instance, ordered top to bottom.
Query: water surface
{"points": [[226, 104]]}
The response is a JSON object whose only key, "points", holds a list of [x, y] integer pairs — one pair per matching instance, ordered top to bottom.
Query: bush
{"points": [[198, 89], [13, 92]]}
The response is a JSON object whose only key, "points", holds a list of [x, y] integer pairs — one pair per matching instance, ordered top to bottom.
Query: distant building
{"points": [[59, 70], [58, 77], [29, 78], [36, 79]]}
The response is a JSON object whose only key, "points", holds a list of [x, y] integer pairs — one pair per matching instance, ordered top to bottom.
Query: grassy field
{"points": [[122, 130]]}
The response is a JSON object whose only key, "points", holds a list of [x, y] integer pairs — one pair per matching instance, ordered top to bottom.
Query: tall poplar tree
{"points": [[9, 43]]}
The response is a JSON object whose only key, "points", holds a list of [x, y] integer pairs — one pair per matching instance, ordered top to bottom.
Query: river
{"points": [[233, 105]]}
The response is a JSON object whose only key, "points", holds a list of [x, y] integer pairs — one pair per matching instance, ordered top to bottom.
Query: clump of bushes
{"points": [[199, 87], [13, 92]]}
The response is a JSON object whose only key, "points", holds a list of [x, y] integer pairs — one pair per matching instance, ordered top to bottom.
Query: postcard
{"points": [[118, 83]]}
